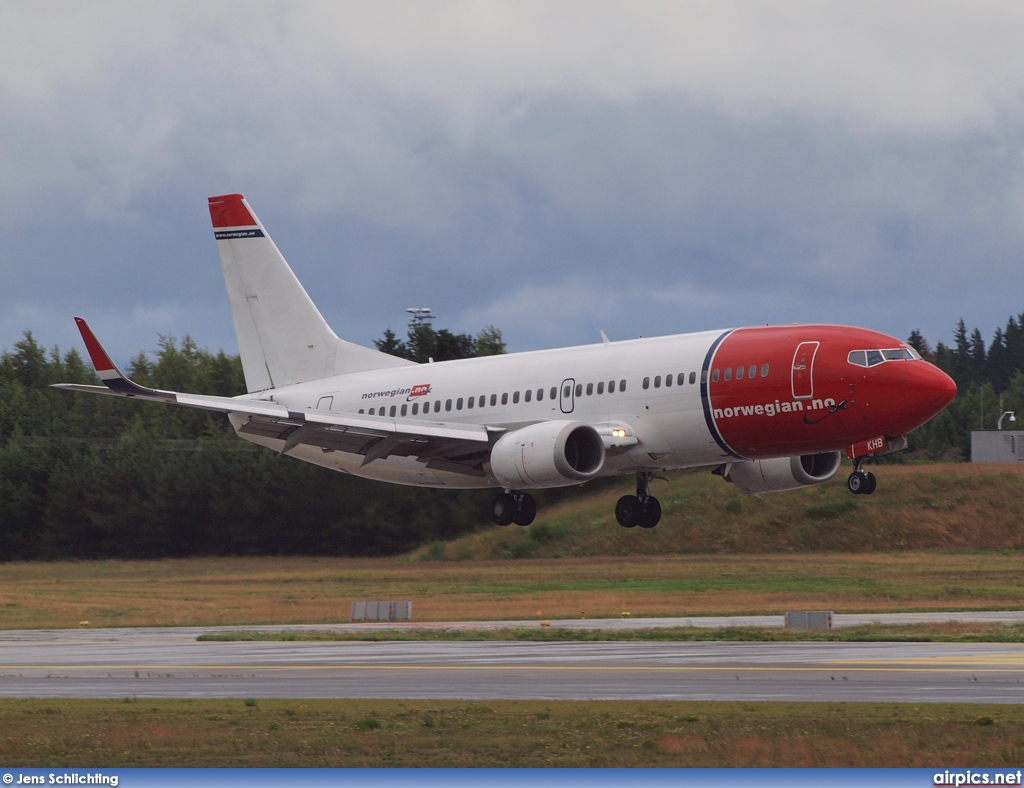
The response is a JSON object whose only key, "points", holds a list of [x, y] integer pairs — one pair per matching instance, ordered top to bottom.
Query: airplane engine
{"points": [[548, 454], [783, 473]]}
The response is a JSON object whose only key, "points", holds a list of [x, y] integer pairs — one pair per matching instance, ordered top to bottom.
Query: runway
{"points": [[171, 663]]}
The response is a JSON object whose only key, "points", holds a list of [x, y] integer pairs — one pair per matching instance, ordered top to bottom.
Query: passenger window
{"points": [[764, 370], [752, 372], [728, 373], [739, 373], [714, 376], [680, 378], [693, 378], [657, 381], [668, 381], [647, 383], [622, 385], [611, 386], [600, 387], [579, 389], [590, 389], [553, 392], [567, 392], [540, 394], [528, 395], [515, 397], [504, 398], [494, 400], [471, 402], [447, 404], [458, 404], [437, 406], [415, 408], [405, 409], [360, 410], [392, 410], [372, 411]]}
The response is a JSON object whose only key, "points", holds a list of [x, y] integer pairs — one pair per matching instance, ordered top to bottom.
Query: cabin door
{"points": [[803, 370]]}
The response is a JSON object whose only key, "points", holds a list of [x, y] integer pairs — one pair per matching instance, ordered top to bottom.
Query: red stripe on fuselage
{"points": [[228, 210], [769, 416]]}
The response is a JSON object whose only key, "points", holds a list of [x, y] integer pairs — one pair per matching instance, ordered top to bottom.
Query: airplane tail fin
{"points": [[282, 337]]}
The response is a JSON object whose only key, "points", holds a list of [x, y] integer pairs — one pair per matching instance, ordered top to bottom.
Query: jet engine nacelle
{"points": [[548, 454], [783, 473]]}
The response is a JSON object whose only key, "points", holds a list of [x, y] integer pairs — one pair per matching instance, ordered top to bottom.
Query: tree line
{"points": [[989, 380], [85, 476]]}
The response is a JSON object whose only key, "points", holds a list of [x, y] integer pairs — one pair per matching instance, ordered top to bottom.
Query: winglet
{"points": [[100, 358], [111, 376]]}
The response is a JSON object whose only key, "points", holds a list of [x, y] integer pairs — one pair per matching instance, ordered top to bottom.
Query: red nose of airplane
{"points": [[928, 390]]}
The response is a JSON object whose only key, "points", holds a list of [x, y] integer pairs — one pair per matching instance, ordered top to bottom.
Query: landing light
{"points": [[618, 433]]}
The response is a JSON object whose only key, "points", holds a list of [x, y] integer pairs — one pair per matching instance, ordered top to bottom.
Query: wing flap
{"points": [[441, 445]]}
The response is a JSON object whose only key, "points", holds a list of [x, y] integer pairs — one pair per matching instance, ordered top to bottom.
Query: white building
{"points": [[1006, 446]]}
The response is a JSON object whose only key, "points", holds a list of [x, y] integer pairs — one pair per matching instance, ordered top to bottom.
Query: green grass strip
{"points": [[902, 633]]}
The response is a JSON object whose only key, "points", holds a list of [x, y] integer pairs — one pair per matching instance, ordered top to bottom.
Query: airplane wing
{"points": [[458, 448]]}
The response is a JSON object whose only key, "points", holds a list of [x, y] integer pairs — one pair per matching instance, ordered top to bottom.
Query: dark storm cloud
{"points": [[551, 169]]}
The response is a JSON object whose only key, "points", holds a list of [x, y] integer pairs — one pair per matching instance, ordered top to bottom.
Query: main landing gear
{"points": [[861, 482], [513, 507], [641, 509]]}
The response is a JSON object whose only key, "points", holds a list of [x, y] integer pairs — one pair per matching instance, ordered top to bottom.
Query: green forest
{"points": [[86, 476], [103, 477]]}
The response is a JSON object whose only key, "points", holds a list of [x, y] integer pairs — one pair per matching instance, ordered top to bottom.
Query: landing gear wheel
{"points": [[862, 483], [503, 509], [526, 509], [628, 511], [651, 513]]}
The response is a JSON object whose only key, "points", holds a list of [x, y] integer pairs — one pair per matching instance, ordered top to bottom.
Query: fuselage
{"points": [[677, 401]]}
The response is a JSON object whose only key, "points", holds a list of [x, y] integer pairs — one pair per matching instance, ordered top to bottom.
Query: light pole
{"points": [[421, 315], [998, 424]]}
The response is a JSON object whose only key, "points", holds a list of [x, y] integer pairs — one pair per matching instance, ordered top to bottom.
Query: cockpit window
{"points": [[899, 354], [871, 358]]}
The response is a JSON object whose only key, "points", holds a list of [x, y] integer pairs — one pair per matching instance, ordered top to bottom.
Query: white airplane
{"points": [[768, 408]]}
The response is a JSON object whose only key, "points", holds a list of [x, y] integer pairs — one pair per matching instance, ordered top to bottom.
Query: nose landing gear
{"points": [[861, 482], [513, 507], [641, 509]]}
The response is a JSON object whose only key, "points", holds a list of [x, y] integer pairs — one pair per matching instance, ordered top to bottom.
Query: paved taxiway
{"points": [[168, 662]]}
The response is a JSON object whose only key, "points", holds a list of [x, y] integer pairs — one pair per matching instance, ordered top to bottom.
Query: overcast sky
{"points": [[551, 168]]}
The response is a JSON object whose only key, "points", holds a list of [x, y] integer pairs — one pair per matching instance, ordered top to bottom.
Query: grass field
{"points": [[916, 507], [932, 537], [239, 591], [222, 733]]}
